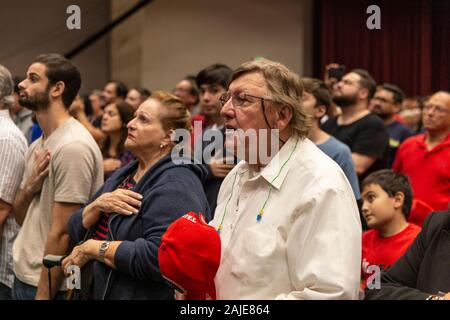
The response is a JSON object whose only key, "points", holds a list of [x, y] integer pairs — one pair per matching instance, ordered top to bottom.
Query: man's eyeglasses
{"points": [[185, 90], [381, 99], [240, 100], [436, 108]]}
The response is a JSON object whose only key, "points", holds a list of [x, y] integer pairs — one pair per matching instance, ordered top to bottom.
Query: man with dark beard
{"points": [[386, 104], [364, 132], [63, 169]]}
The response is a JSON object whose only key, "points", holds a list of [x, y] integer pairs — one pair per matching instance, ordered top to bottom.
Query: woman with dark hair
{"points": [[114, 124]]}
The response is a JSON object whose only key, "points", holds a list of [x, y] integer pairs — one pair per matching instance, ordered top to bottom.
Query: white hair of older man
{"points": [[6, 89]]}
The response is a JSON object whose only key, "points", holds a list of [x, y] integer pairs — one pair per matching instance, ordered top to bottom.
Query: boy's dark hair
{"points": [[58, 68], [216, 74], [366, 81], [193, 82], [319, 90], [396, 91], [392, 182]]}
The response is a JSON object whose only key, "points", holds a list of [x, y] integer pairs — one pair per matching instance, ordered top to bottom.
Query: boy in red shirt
{"points": [[387, 199]]}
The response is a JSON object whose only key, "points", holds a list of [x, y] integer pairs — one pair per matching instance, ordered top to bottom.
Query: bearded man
{"points": [[363, 131], [63, 169]]}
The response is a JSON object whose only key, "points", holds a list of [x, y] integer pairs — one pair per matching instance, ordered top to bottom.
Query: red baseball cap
{"points": [[189, 257]]}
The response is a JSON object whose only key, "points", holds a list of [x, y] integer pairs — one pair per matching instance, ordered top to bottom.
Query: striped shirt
{"points": [[13, 146], [101, 233]]}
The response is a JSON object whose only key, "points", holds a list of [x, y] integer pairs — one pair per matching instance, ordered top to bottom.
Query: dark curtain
{"points": [[411, 50]]}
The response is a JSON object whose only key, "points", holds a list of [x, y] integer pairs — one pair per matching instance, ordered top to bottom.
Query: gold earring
{"points": [[161, 146]]}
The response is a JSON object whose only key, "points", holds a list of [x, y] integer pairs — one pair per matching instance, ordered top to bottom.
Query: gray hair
{"points": [[285, 88], [6, 89]]}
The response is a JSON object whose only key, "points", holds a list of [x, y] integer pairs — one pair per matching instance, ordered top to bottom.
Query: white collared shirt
{"points": [[307, 244]]}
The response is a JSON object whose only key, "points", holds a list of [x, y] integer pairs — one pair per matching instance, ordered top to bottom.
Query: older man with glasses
{"points": [[424, 158], [288, 222]]}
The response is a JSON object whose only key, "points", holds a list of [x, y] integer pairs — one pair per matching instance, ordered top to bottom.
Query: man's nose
{"points": [[21, 85], [206, 96], [227, 110], [365, 207]]}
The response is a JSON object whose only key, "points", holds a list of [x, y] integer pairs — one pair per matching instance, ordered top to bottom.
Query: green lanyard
{"points": [[261, 211]]}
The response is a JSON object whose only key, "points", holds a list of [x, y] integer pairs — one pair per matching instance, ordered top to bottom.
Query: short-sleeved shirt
{"points": [[397, 134], [366, 136], [13, 146], [342, 155], [428, 170], [76, 173], [385, 251]]}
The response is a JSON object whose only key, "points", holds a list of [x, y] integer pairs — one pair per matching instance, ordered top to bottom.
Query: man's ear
{"points": [[57, 90], [363, 93], [320, 111], [283, 116], [399, 198]]}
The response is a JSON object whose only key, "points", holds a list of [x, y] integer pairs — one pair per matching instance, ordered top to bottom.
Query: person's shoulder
{"points": [[371, 121], [331, 122], [402, 127], [13, 136], [76, 137], [413, 139], [34, 144], [75, 145], [339, 146], [78, 149], [317, 168], [171, 175], [437, 220], [414, 228], [369, 234], [369, 238]]}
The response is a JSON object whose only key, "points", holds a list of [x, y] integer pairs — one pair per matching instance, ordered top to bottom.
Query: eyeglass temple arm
{"points": [[267, 122]]}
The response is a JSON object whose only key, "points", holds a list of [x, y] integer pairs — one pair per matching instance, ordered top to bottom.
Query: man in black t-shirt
{"points": [[386, 104], [364, 132]]}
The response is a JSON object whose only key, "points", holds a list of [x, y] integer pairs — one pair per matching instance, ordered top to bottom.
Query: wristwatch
{"points": [[101, 252]]}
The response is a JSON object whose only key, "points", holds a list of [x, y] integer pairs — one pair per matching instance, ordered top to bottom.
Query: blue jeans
{"points": [[23, 291], [5, 292]]}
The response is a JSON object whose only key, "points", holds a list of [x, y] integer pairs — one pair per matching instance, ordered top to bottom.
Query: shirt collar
{"points": [[4, 114], [422, 144], [277, 169], [274, 173]]}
